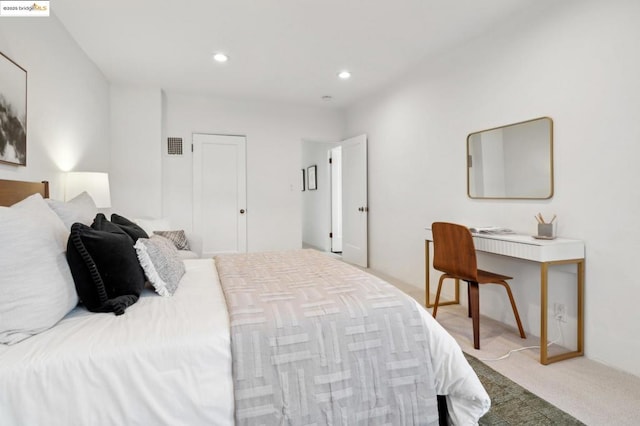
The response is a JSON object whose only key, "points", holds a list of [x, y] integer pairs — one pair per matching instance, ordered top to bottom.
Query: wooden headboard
{"points": [[12, 191]]}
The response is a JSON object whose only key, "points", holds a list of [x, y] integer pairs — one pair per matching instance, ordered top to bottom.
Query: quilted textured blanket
{"points": [[317, 341]]}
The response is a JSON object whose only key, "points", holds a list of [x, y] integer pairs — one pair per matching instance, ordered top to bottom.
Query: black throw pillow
{"points": [[101, 223], [133, 229], [105, 268]]}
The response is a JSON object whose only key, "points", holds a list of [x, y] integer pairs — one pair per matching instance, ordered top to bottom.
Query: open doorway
{"points": [[316, 200], [335, 210]]}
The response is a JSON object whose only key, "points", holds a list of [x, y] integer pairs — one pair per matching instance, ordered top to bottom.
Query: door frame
{"points": [[335, 213]]}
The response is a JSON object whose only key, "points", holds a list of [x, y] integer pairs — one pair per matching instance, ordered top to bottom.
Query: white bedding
{"points": [[166, 361], [467, 400]]}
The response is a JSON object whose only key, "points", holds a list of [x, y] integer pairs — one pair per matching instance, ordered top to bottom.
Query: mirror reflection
{"points": [[513, 161]]}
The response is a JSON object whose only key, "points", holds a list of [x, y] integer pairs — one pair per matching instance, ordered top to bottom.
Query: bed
{"points": [[289, 337]]}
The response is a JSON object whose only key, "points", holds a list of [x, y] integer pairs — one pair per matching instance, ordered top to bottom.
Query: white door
{"points": [[335, 154], [219, 193], [354, 201]]}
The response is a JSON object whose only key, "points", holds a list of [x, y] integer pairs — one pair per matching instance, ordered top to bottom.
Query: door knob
{"points": [[360, 209], [241, 211]]}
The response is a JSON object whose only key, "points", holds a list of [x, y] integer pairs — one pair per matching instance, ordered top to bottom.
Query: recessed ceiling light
{"points": [[220, 57], [344, 74]]}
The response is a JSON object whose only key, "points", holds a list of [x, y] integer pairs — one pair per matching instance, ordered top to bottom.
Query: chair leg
{"points": [[468, 300], [435, 304], [474, 304], [515, 309]]}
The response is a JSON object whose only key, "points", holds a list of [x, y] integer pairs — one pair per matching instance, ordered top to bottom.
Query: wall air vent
{"points": [[174, 146]]}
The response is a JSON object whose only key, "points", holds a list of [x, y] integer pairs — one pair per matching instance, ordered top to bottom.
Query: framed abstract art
{"points": [[13, 112]]}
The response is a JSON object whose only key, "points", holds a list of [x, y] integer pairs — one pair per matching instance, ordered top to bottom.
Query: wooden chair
{"points": [[455, 256]]}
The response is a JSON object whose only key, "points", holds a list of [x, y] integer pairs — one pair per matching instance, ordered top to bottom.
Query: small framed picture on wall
{"points": [[311, 177], [303, 186]]}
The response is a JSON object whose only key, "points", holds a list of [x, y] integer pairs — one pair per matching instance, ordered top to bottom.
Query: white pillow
{"points": [[79, 209], [150, 225], [187, 254], [161, 264], [36, 286]]}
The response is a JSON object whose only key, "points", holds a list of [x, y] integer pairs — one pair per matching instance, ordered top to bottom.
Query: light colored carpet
{"points": [[590, 391]]}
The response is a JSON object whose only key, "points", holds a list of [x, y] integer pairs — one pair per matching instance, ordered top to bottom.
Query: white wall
{"points": [[576, 63], [67, 102], [274, 133], [136, 162], [316, 204]]}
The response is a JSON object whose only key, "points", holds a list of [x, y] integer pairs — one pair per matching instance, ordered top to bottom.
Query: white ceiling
{"points": [[280, 50]]}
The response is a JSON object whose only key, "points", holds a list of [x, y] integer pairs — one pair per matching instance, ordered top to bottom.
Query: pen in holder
{"points": [[546, 230]]}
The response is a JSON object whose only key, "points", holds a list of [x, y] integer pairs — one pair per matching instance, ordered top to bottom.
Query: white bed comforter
{"points": [[167, 361]]}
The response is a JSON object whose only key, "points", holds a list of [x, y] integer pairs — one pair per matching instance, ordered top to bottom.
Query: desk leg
{"points": [[427, 262], [580, 267], [544, 276], [427, 281]]}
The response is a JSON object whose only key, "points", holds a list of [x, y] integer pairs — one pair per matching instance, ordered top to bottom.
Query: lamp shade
{"points": [[94, 183]]}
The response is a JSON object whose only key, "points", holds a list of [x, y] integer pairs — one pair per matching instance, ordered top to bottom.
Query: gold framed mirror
{"points": [[511, 162]]}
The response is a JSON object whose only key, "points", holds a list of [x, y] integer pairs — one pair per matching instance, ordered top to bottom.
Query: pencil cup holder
{"points": [[546, 230]]}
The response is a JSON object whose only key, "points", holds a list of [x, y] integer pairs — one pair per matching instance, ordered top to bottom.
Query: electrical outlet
{"points": [[560, 312]]}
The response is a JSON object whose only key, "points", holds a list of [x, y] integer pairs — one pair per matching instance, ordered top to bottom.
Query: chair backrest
{"points": [[454, 252]]}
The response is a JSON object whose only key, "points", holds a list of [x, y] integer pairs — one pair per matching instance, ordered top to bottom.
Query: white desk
{"points": [[545, 252]]}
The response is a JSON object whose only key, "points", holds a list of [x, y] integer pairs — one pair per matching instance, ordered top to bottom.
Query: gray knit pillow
{"points": [[176, 237], [161, 263]]}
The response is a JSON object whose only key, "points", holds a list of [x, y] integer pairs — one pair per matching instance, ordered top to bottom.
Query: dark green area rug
{"points": [[511, 404]]}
